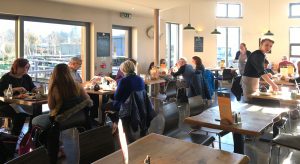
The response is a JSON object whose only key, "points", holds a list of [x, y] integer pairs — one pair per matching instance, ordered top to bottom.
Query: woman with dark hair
{"points": [[242, 56], [198, 63], [150, 67], [254, 70], [21, 83]]}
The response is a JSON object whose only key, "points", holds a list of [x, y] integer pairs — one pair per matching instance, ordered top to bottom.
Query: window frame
{"points": [[290, 10], [227, 16], [15, 18], [129, 29], [227, 40], [293, 44], [169, 55]]}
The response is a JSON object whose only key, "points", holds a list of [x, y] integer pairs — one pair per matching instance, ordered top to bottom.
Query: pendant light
{"points": [[189, 26], [215, 31], [269, 33]]}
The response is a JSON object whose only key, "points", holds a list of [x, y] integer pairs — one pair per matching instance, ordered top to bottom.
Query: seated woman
{"points": [[150, 67], [21, 83], [131, 83], [64, 93]]}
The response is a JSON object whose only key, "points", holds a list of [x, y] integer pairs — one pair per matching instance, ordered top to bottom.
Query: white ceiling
{"points": [[143, 7]]}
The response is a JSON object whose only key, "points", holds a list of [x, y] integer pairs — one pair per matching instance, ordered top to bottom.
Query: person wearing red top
{"points": [[285, 63]]}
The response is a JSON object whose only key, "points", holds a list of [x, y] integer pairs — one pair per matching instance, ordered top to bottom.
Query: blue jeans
{"points": [[43, 121]]}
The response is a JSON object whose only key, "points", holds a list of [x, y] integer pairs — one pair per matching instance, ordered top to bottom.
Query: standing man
{"points": [[74, 65]]}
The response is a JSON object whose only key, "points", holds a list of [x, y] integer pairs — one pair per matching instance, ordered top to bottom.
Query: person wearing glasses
{"points": [[74, 65]]}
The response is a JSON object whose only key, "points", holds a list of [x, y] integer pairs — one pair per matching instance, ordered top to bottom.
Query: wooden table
{"points": [[279, 82], [156, 86], [100, 94], [283, 98], [255, 119], [164, 150]]}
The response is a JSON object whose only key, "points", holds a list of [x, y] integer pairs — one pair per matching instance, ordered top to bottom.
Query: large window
{"points": [[228, 10], [294, 11], [172, 43], [7, 44], [47, 44], [228, 44], [294, 44], [121, 45]]}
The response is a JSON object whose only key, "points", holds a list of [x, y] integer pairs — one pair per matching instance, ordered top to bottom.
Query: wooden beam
{"points": [[156, 36]]}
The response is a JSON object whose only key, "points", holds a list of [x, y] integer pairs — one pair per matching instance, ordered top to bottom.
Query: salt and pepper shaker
{"points": [[147, 160]]}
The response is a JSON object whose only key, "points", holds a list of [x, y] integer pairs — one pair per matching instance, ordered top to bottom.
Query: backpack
{"points": [[8, 144]]}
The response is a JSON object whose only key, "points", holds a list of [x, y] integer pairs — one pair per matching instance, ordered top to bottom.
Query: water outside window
{"points": [[48, 44], [7, 45]]}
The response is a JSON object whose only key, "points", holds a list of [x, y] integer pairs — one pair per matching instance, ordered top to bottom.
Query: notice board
{"points": [[103, 44], [198, 44]]}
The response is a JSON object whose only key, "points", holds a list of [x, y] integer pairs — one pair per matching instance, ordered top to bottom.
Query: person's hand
{"points": [[270, 75], [109, 79], [275, 87], [19, 89], [114, 128]]}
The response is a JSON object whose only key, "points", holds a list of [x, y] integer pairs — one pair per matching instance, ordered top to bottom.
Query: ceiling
{"points": [[142, 7]]}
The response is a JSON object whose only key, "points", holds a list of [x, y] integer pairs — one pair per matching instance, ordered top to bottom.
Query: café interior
{"points": [[160, 81]]}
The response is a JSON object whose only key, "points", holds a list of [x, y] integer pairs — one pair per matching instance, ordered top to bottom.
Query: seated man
{"points": [[285, 63], [74, 65], [268, 69]]}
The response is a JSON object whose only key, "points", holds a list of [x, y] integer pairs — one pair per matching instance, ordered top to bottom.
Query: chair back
{"points": [[227, 74], [171, 89], [196, 105], [171, 117], [95, 144], [38, 155]]}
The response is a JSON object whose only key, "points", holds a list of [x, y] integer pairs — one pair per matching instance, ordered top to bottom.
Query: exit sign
{"points": [[126, 15]]}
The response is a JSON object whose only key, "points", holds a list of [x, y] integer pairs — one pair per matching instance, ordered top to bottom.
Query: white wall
{"points": [[101, 21], [253, 25]]}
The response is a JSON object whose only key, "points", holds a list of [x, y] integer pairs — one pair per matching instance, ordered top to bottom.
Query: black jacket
{"points": [[236, 88], [138, 109]]}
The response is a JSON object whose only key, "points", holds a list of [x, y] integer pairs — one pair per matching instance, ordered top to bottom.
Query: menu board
{"points": [[103, 44], [198, 44], [225, 107]]}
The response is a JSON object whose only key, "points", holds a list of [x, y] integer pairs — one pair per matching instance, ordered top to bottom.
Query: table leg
{"points": [[36, 110], [100, 114], [238, 141]]}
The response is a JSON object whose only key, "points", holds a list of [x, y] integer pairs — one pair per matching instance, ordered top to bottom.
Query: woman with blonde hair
{"points": [[64, 94]]}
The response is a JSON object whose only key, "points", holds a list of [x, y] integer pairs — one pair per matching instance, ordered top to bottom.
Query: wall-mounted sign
{"points": [[125, 15], [103, 44], [198, 44]]}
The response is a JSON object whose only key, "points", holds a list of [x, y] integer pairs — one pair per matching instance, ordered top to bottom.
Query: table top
{"points": [[220, 69], [152, 82], [280, 82], [100, 92], [283, 98], [24, 102], [255, 119], [163, 150]]}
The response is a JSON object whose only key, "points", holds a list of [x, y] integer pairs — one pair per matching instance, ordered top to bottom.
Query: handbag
{"points": [[27, 143]]}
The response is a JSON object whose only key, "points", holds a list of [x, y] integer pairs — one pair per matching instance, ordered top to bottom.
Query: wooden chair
{"points": [[95, 144], [38, 155]]}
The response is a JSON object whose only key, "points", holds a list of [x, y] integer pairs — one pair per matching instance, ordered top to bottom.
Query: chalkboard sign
{"points": [[103, 44], [198, 44]]}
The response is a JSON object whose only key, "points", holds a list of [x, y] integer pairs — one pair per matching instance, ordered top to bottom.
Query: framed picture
{"points": [[103, 44]]}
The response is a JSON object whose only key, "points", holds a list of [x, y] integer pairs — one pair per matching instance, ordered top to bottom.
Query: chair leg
{"points": [[213, 145], [220, 147], [278, 155], [270, 156]]}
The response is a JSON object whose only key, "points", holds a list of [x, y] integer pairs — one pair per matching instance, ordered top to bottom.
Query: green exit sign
{"points": [[126, 15]]}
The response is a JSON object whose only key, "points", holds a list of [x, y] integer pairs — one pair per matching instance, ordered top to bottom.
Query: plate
{"points": [[265, 93]]}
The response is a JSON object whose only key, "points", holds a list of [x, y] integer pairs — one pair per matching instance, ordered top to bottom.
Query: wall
{"points": [[101, 21], [253, 25]]}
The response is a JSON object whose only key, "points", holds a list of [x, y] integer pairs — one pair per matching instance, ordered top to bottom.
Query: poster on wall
{"points": [[103, 44], [198, 44]]}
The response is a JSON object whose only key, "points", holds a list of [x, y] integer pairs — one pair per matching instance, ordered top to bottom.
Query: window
{"points": [[228, 10], [294, 10], [172, 43], [7, 44], [47, 44], [228, 44], [294, 44], [121, 45]]}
